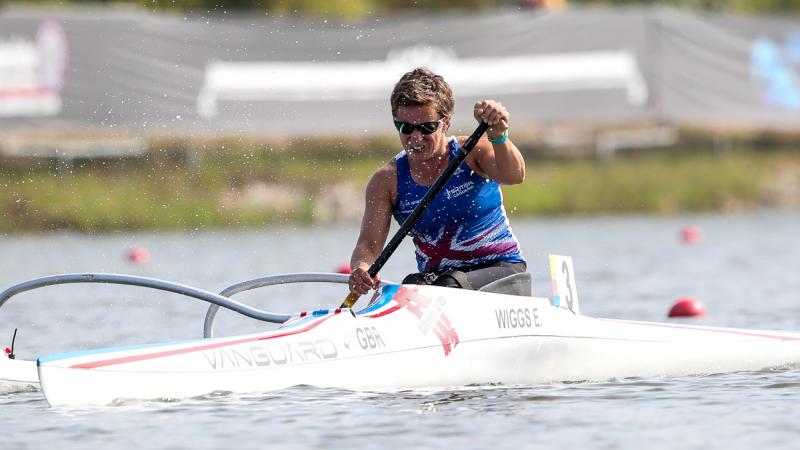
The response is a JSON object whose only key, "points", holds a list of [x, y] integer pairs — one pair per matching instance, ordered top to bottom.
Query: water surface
{"points": [[745, 271]]}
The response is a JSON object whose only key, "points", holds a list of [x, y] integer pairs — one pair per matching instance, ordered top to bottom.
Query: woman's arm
{"points": [[501, 161], [374, 228]]}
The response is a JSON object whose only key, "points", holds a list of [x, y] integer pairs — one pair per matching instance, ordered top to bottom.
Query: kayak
{"points": [[417, 337], [18, 375]]}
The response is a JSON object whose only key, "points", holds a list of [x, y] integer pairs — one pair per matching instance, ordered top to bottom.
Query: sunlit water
{"points": [[745, 270]]}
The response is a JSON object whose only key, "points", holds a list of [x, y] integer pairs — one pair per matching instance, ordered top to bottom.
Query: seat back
{"points": [[516, 284]]}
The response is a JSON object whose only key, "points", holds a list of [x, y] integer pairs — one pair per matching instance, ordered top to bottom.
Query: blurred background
{"points": [[179, 114], [210, 141]]}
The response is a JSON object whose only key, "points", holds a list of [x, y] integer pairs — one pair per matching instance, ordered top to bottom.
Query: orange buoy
{"points": [[691, 235], [139, 255], [344, 268], [687, 307]]}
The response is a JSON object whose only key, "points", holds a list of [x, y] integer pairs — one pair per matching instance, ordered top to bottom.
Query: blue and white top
{"points": [[465, 225]]}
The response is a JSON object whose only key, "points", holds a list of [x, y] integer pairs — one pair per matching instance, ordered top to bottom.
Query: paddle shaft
{"points": [[421, 207]]}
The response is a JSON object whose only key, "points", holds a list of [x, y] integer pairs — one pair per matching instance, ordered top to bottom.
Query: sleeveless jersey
{"points": [[464, 226]]}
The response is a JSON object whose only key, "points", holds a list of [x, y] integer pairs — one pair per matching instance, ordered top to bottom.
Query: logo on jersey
{"points": [[459, 190]]}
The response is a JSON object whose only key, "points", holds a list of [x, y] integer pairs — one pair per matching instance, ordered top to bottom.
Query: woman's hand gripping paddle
{"points": [[421, 207]]}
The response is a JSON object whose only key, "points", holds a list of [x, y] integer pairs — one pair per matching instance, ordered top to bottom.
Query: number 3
{"points": [[565, 271]]}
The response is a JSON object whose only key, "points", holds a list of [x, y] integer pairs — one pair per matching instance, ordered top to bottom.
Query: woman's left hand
{"points": [[493, 113]]}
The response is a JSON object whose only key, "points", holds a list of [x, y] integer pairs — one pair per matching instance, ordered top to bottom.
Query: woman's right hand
{"points": [[360, 282]]}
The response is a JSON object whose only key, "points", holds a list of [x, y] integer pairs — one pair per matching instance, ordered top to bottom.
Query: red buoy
{"points": [[691, 235], [139, 255], [344, 268], [688, 307], [8, 351]]}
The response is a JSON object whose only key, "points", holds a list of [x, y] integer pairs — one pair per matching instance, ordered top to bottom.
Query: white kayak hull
{"points": [[414, 337], [18, 375]]}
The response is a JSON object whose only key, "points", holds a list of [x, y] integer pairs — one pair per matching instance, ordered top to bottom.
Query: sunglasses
{"points": [[424, 127]]}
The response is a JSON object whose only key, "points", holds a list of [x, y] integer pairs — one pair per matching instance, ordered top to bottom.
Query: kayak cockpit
{"points": [[516, 284]]}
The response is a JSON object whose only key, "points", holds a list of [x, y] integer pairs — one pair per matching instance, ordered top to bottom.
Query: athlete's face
{"points": [[414, 125]]}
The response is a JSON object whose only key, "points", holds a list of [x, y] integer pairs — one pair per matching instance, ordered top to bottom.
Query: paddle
{"points": [[423, 204]]}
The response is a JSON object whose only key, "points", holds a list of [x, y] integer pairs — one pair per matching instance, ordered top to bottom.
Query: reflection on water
{"points": [[629, 268]]}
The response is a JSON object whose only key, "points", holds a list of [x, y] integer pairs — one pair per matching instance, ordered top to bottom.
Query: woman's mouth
{"points": [[416, 148]]}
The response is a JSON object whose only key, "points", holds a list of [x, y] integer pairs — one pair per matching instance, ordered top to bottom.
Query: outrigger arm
{"points": [[308, 277], [131, 280], [217, 300]]}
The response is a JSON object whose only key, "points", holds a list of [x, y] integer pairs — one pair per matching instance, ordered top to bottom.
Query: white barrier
{"points": [[31, 73], [333, 81]]}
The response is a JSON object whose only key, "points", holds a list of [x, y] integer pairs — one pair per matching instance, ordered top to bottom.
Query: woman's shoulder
{"points": [[389, 167], [385, 173], [383, 183]]}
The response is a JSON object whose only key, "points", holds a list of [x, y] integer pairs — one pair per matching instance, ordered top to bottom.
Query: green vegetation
{"points": [[653, 183], [181, 185]]}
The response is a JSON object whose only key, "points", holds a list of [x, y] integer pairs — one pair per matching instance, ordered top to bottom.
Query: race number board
{"points": [[562, 275]]}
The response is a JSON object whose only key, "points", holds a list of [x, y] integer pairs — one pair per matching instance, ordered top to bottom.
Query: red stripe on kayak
{"points": [[24, 91], [386, 311], [712, 330], [179, 351]]}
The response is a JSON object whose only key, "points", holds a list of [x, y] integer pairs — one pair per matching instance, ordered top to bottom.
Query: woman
{"points": [[463, 239]]}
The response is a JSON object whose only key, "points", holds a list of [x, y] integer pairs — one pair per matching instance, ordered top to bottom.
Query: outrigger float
{"points": [[407, 337]]}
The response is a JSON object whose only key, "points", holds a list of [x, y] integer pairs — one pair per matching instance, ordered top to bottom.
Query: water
{"points": [[745, 271]]}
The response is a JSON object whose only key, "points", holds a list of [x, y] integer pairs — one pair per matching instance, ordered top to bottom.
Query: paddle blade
{"points": [[349, 301]]}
